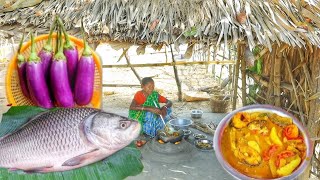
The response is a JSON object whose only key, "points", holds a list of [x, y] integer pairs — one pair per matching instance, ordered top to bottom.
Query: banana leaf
{"points": [[124, 163]]}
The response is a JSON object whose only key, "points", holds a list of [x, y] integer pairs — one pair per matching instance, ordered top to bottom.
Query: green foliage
{"points": [[192, 32], [257, 68], [253, 90], [16, 116], [124, 163]]}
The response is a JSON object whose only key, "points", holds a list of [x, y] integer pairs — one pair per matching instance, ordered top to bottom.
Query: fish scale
{"points": [[42, 137]]}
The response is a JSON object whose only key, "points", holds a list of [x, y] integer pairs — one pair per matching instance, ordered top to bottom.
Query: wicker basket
{"points": [[13, 89], [218, 104]]}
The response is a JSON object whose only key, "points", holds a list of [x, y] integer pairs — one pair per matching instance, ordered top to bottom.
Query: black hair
{"points": [[146, 80]]}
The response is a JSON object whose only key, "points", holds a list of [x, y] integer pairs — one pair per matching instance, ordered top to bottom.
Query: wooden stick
{"points": [[166, 53], [123, 54], [177, 63], [132, 68], [305, 69], [176, 76], [236, 77], [243, 77], [277, 77], [263, 82], [230, 83], [270, 83], [121, 85], [294, 89], [313, 126]]}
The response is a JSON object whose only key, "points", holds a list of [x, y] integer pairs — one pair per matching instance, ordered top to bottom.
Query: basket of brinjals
{"points": [[54, 70], [262, 142]]}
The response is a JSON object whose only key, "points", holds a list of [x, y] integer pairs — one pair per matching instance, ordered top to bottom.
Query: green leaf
{"points": [[192, 32], [256, 50], [259, 66], [16, 116], [124, 163]]}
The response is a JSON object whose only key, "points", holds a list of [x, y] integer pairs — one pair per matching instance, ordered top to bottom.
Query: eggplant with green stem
{"points": [[46, 53], [72, 55], [22, 70], [59, 78], [36, 81], [83, 90]]}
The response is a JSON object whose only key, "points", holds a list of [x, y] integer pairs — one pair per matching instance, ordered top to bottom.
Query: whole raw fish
{"points": [[66, 139]]}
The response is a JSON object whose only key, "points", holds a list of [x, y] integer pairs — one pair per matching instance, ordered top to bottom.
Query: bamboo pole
{"points": [[166, 53], [208, 58], [177, 63], [132, 68], [305, 69], [220, 75], [176, 76], [230, 76], [236, 76], [277, 77], [243, 78], [263, 82], [121, 85], [270, 89], [294, 89], [314, 115], [313, 125]]}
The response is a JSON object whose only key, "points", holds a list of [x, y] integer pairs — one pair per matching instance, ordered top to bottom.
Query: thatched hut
{"points": [[285, 35]]}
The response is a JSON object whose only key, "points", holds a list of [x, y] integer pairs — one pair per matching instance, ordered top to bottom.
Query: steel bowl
{"points": [[260, 108], [196, 113], [180, 123], [186, 133], [199, 136], [165, 137], [204, 144]]}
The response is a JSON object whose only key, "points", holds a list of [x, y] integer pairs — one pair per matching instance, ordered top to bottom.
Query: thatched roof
{"points": [[212, 22]]}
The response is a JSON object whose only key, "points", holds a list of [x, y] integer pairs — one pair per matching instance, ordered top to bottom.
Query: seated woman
{"points": [[146, 109]]}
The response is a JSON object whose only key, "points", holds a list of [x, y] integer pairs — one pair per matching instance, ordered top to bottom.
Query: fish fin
{"points": [[79, 159], [13, 169], [33, 170], [38, 170]]}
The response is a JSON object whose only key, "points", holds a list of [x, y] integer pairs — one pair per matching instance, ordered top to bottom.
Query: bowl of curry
{"points": [[262, 142]]}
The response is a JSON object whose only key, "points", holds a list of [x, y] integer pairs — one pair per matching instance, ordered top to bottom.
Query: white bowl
{"points": [[260, 108], [196, 113]]}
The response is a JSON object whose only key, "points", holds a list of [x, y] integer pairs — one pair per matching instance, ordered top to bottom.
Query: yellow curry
{"points": [[263, 145]]}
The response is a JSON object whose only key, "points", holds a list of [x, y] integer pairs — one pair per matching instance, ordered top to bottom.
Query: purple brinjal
{"points": [[46, 54], [72, 55], [22, 71], [59, 78], [36, 81], [83, 89]]}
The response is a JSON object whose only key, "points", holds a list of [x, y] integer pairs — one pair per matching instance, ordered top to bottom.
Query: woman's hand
{"points": [[156, 111], [163, 111]]}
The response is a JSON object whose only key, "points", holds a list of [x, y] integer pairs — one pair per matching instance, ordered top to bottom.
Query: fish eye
{"points": [[123, 125]]}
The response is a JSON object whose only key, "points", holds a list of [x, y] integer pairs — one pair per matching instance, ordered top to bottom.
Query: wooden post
{"points": [[166, 53], [208, 58], [132, 68], [176, 76], [236, 76], [277, 77], [243, 78], [230, 83], [270, 85], [295, 90], [314, 115]]}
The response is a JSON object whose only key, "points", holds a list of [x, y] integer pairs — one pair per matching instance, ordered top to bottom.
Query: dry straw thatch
{"points": [[174, 21]]}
